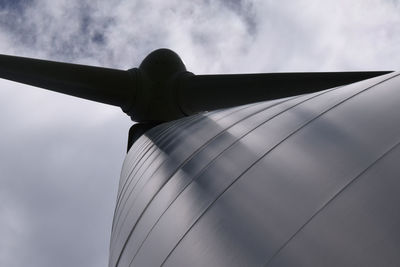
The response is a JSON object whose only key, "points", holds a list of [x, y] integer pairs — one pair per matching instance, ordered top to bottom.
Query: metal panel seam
{"points": [[323, 92], [341, 102], [199, 149], [387, 152]]}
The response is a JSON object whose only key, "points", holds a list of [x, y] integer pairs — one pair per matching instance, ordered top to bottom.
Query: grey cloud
{"points": [[14, 5], [246, 10], [120, 34], [329, 35], [61, 156], [59, 174]]}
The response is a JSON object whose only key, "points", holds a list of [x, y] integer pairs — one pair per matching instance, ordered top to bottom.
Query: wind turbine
{"points": [[245, 169]]}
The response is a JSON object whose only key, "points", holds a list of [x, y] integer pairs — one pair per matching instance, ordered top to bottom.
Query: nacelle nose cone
{"points": [[161, 64]]}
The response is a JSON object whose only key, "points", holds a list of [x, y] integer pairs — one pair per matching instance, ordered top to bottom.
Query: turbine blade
{"points": [[104, 85], [162, 90], [209, 92]]}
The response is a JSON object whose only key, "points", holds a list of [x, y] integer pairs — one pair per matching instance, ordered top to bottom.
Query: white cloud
{"points": [[61, 156]]}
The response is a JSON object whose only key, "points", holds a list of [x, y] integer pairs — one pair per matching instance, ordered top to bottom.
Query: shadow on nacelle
{"points": [[267, 184]]}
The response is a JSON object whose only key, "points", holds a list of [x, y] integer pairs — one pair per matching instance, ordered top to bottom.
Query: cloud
{"points": [[212, 36], [61, 156], [61, 159]]}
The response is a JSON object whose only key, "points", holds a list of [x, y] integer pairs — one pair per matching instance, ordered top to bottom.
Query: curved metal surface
{"points": [[304, 181]]}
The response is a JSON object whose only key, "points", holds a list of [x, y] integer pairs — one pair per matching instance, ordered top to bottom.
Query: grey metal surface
{"points": [[311, 180]]}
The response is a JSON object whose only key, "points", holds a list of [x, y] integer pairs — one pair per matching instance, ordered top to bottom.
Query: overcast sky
{"points": [[61, 157]]}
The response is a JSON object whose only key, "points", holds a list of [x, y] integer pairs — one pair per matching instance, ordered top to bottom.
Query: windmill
{"points": [[277, 169]]}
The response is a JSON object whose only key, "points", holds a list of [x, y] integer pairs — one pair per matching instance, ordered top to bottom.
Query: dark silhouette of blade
{"points": [[110, 86], [162, 90], [210, 92]]}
